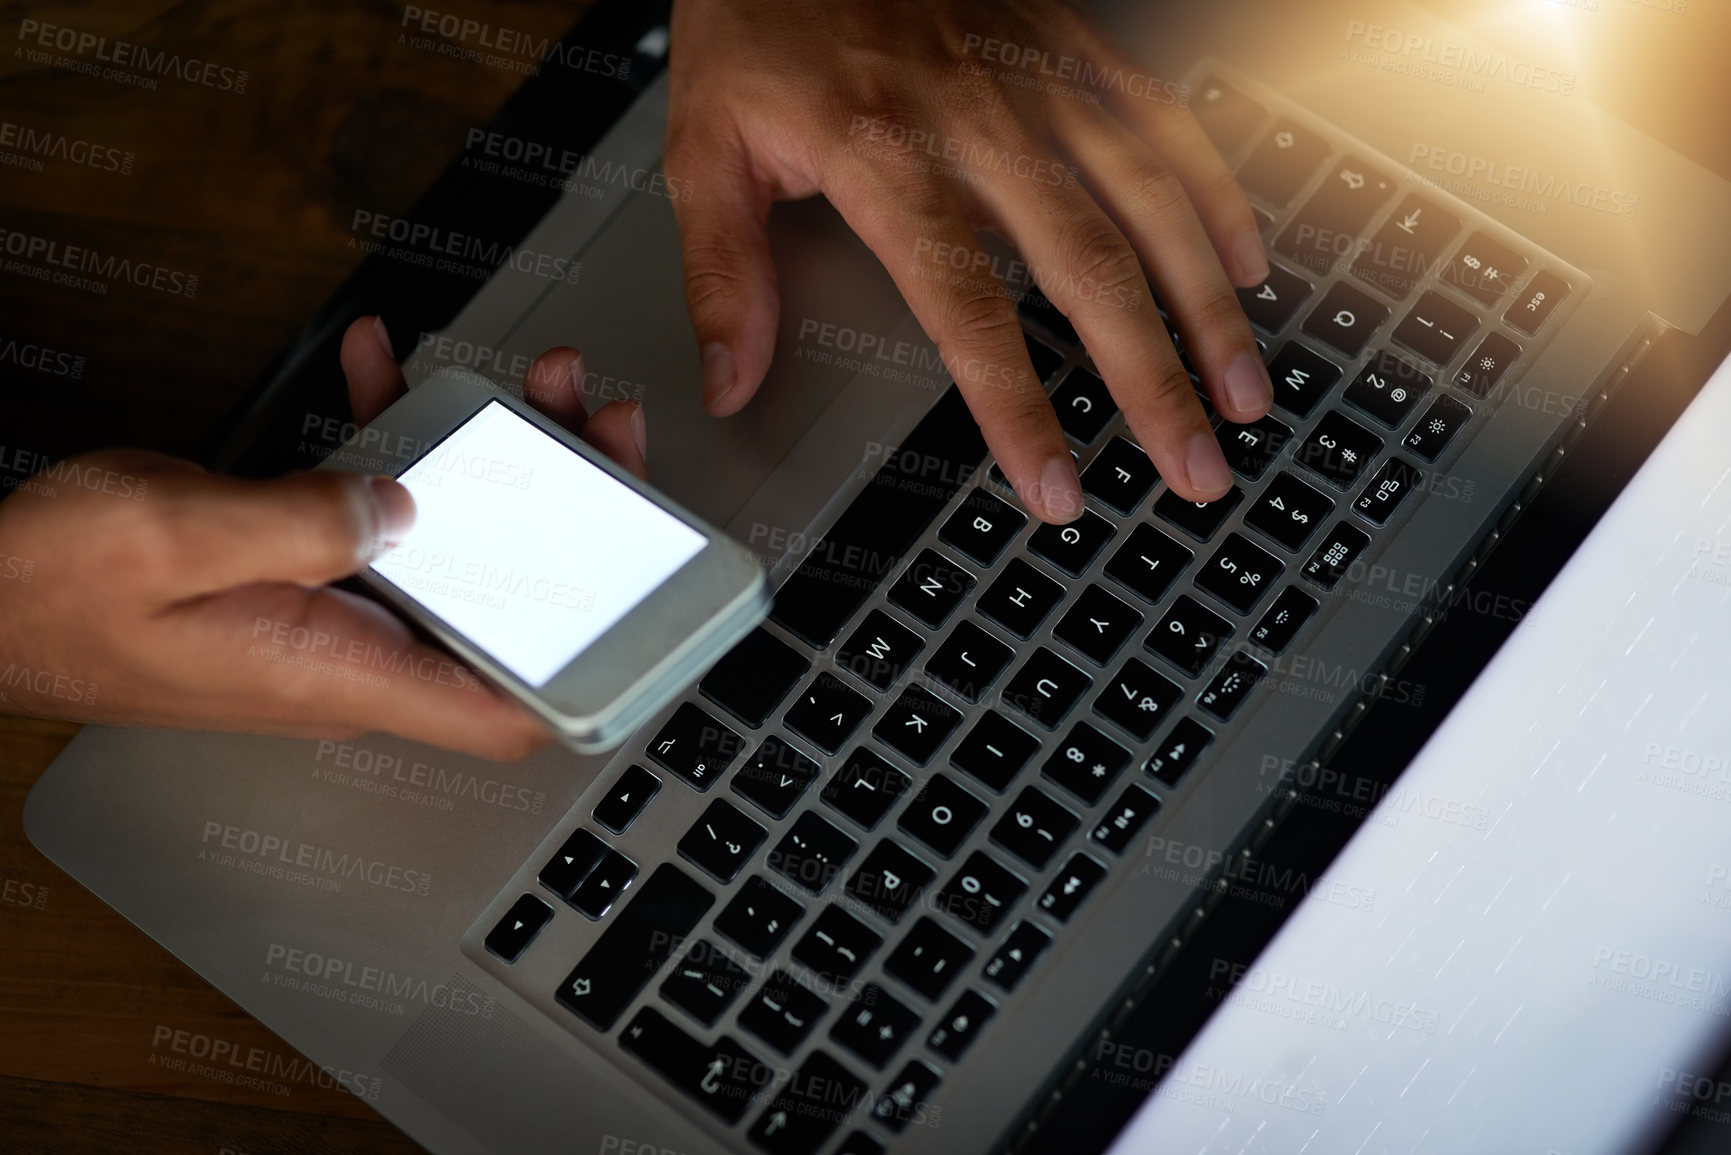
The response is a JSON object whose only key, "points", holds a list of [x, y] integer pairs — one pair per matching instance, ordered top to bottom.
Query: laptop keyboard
{"points": [[936, 754]]}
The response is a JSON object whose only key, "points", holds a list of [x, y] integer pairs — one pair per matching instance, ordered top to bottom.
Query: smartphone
{"points": [[555, 574]]}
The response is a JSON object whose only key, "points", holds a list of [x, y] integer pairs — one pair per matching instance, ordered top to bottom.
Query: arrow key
{"points": [[627, 799], [572, 862], [605, 884], [519, 927], [908, 1098], [805, 1114]]}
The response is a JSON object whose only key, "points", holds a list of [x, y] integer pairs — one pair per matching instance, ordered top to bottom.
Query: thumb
{"points": [[730, 281], [307, 528]]}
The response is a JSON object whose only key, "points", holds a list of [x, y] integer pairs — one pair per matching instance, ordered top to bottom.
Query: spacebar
{"points": [[869, 539], [642, 938]]}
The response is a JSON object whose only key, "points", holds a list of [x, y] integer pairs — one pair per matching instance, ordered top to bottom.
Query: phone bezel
{"points": [[642, 660]]}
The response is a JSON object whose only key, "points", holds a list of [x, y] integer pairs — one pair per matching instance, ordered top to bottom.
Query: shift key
{"points": [[642, 938]]}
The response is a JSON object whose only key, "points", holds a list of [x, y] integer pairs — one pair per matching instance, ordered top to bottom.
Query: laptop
{"points": [[880, 881]]}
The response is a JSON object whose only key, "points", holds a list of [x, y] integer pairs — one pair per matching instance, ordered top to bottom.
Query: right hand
{"points": [[138, 589]]}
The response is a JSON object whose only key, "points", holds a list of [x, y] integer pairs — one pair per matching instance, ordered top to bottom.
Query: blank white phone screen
{"points": [[525, 548]]}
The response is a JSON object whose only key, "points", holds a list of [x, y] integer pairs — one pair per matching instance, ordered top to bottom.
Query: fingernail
{"points": [[1251, 258], [384, 336], [578, 372], [717, 374], [1247, 384], [640, 433], [1207, 466], [1061, 490], [387, 514]]}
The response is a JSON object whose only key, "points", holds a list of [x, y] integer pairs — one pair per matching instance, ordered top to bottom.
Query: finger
{"points": [[1171, 129], [1154, 210], [917, 230], [1087, 267], [730, 278], [374, 378], [554, 386], [617, 429], [212, 533]]}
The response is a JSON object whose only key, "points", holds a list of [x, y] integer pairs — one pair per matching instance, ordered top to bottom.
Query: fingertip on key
{"points": [[1248, 387], [1206, 465], [1060, 491]]}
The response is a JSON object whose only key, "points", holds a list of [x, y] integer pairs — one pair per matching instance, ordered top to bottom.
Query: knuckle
{"points": [[1154, 189], [1100, 255], [1219, 312], [982, 318], [1171, 388]]}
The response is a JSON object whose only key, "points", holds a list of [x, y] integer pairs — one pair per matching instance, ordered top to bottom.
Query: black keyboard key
{"points": [[1226, 115], [1281, 165], [1327, 228], [1406, 248], [1484, 269], [1272, 304], [1534, 305], [1036, 306], [1346, 319], [1436, 328], [1043, 357], [1487, 365], [1301, 378], [1388, 388], [1084, 405], [1437, 428], [1250, 448], [1338, 449], [1120, 476], [914, 484], [1387, 490], [1289, 511], [1200, 519], [982, 526], [1072, 548], [1335, 555], [1148, 563], [1240, 573], [932, 588], [1020, 598], [1283, 620], [1097, 625], [1189, 635], [879, 650], [970, 661], [754, 676], [1231, 686], [1045, 688], [1138, 699], [828, 712], [916, 724], [695, 746], [994, 751], [1173, 758], [1087, 763], [775, 777], [866, 787], [626, 800], [942, 815], [1128, 815], [1034, 828], [722, 841], [811, 853], [572, 862], [890, 880], [1074, 883], [605, 884], [981, 893], [759, 917], [518, 928], [638, 943], [836, 946], [1016, 956], [928, 959], [705, 982], [783, 1012], [874, 1025], [961, 1026], [723, 1076], [908, 1099], [808, 1109], [859, 1143]]}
